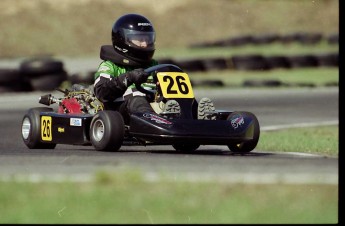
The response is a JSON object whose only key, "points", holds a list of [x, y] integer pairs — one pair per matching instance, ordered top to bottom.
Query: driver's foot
{"points": [[172, 108], [206, 109]]}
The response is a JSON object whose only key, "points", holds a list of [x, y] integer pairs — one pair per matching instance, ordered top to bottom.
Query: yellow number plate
{"points": [[175, 85], [46, 128]]}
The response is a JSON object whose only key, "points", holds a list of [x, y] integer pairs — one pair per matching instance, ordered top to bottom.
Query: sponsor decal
{"points": [[144, 24], [122, 50], [157, 119], [236, 121], [75, 122], [61, 130]]}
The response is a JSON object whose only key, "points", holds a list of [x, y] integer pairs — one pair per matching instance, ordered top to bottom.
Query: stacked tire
{"points": [[250, 62], [43, 74], [86, 78], [12, 81]]}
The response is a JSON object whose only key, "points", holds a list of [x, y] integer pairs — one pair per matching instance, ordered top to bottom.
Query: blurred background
{"points": [[79, 27], [187, 31]]}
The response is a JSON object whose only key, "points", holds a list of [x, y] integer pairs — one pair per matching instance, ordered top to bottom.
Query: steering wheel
{"points": [[153, 70]]}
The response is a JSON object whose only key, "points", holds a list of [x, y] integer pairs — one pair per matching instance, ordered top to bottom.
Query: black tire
{"points": [[289, 38], [310, 38], [265, 39], [333, 39], [239, 41], [328, 60], [166, 61], [302, 61], [250, 62], [278, 62], [215, 64], [191, 65], [40, 66], [9, 76], [83, 78], [12, 81], [48, 82], [208, 82], [212, 83], [262, 83], [31, 125], [107, 131], [246, 146], [186, 147]]}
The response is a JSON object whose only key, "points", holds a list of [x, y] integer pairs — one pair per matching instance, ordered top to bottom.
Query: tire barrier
{"points": [[303, 38], [265, 39], [333, 39], [235, 41], [327, 60], [302, 61], [250, 62], [257, 62], [278, 62], [192, 64], [216, 64], [40, 66], [34, 74], [44, 74], [47, 74], [84, 78], [12, 81], [208, 83], [262, 83], [277, 83]]}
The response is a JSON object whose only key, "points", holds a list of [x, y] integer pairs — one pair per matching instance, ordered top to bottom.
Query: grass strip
{"points": [[322, 140], [125, 198]]}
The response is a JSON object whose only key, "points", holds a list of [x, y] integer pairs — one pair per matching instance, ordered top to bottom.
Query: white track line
{"points": [[299, 125], [248, 178]]}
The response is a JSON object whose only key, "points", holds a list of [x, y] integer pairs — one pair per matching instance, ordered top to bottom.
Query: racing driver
{"points": [[133, 42]]}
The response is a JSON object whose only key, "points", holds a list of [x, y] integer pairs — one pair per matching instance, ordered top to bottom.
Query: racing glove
{"points": [[136, 76], [109, 90]]}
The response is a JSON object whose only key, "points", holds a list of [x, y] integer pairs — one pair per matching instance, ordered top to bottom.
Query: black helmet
{"points": [[134, 27]]}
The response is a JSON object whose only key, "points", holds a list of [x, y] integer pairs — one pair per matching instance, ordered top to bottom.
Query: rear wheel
{"points": [[31, 129], [253, 130], [107, 131]]}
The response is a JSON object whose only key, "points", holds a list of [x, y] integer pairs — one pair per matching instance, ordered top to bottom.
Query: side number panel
{"points": [[175, 85], [46, 128]]}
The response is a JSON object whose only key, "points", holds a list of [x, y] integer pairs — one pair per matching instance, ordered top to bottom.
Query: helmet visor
{"points": [[140, 39]]}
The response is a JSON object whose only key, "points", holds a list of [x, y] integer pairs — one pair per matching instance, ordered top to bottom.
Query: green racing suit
{"points": [[109, 86]]}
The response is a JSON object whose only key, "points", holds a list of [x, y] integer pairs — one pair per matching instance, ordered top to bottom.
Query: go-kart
{"points": [[82, 120]]}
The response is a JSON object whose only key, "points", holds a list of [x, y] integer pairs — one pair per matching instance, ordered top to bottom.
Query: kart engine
{"points": [[77, 100]]}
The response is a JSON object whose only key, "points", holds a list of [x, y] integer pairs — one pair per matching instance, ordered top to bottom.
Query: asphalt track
{"points": [[275, 109]]}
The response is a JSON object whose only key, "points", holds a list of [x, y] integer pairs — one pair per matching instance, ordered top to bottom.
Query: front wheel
{"points": [[31, 129], [107, 131], [253, 131]]}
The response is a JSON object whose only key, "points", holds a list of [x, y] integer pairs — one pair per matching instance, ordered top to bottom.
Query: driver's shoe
{"points": [[171, 109], [206, 109]]}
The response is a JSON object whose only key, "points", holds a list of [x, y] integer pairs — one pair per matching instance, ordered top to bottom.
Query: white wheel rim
{"points": [[26, 126], [98, 130]]}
